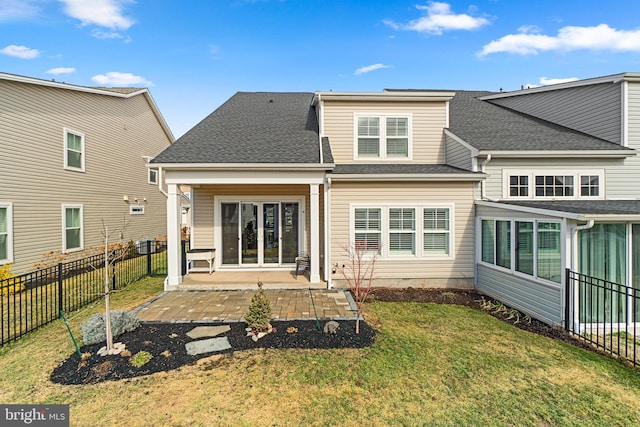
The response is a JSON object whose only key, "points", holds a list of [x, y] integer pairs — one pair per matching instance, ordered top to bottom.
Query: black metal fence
{"points": [[31, 300], [605, 314]]}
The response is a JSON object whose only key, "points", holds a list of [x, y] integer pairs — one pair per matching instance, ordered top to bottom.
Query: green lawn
{"points": [[431, 365]]}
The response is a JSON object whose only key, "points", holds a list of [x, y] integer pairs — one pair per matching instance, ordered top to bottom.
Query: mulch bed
{"points": [[166, 341], [166, 344]]}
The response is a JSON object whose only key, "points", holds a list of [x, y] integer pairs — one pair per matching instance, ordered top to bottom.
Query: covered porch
{"points": [[255, 226]]}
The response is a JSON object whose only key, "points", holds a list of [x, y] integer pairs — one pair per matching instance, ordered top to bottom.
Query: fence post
{"points": [[148, 242], [114, 279], [567, 299], [60, 301]]}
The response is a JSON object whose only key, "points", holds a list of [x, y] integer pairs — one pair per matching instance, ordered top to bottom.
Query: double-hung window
{"points": [[382, 136], [74, 155], [368, 229], [402, 231], [412, 231], [436, 231], [6, 233], [72, 233]]}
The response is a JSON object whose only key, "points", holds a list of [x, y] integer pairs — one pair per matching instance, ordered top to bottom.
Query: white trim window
{"points": [[382, 136], [74, 154], [152, 176], [545, 184], [72, 228], [368, 229], [401, 231], [437, 231], [6, 233], [534, 249]]}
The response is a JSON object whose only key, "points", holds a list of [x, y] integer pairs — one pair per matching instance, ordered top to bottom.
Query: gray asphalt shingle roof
{"points": [[252, 127], [489, 127], [391, 169], [584, 207]]}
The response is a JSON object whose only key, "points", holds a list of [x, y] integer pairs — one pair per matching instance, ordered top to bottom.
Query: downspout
{"points": [[320, 127], [160, 179], [483, 195]]}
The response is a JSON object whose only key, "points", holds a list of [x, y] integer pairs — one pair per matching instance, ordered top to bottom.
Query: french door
{"points": [[260, 233]]}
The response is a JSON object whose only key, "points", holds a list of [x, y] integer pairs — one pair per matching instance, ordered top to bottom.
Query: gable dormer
{"points": [[394, 126]]}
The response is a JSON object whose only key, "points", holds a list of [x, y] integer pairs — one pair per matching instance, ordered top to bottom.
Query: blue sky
{"points": [[195, 54]]}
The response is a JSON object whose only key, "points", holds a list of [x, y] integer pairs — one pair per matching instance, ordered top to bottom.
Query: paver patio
{"points": [[231, 306]]}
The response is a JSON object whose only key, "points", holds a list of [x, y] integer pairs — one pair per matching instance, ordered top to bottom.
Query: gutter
{"points": [[320, 127], [483, 190]]}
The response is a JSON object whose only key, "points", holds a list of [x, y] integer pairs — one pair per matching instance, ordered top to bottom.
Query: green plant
{"points": [[9, 286], [259, 314], [94, 331], [141, 358]]}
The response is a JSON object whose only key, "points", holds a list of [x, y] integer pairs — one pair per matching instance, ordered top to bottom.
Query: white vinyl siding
{"points": [[382, 136], [74, 154], [72, 228], [6, 233]]}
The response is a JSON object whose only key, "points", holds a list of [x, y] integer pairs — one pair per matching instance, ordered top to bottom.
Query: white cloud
{"points": [[17, 9], [104, 13], [439, 18], [600, 37], [20, 52], [370, 68], [61, 70], [114, 78], [546, 81]]}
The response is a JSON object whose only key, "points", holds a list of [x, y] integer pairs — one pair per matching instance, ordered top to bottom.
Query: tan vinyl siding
{"points": [[594, 109], [428, 120], [118, 133], [203, 235], [419, 272]]}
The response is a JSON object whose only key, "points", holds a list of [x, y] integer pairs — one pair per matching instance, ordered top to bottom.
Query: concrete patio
{"points": [[232, 305]]}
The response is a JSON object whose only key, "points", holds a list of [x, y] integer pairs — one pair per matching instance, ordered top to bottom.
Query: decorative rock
{"points": [[331, 327], [208, 331], [254, 337], [210, 345]]}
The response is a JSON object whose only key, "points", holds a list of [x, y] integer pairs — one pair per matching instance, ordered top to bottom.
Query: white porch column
{"points": [[314, 199], [174, 250]]}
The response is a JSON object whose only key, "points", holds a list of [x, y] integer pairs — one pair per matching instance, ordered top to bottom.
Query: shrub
{"points": [[7, 286], [259, 314], [94, 329], [141, 358]]}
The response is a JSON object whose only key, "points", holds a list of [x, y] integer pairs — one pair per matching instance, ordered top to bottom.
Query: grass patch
{"points": [[141, 358], [431, 365]]}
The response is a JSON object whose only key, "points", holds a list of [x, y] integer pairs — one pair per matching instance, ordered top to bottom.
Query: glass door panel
{"points": [[289, 232], [249, 233], [271, 233], [230, 237]]}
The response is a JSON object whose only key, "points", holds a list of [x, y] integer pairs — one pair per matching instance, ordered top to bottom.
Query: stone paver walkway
{"points": [[231, 306]]}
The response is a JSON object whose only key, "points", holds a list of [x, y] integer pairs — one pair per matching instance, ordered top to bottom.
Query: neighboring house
{"points": [[73, 158], [501, 191]]}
